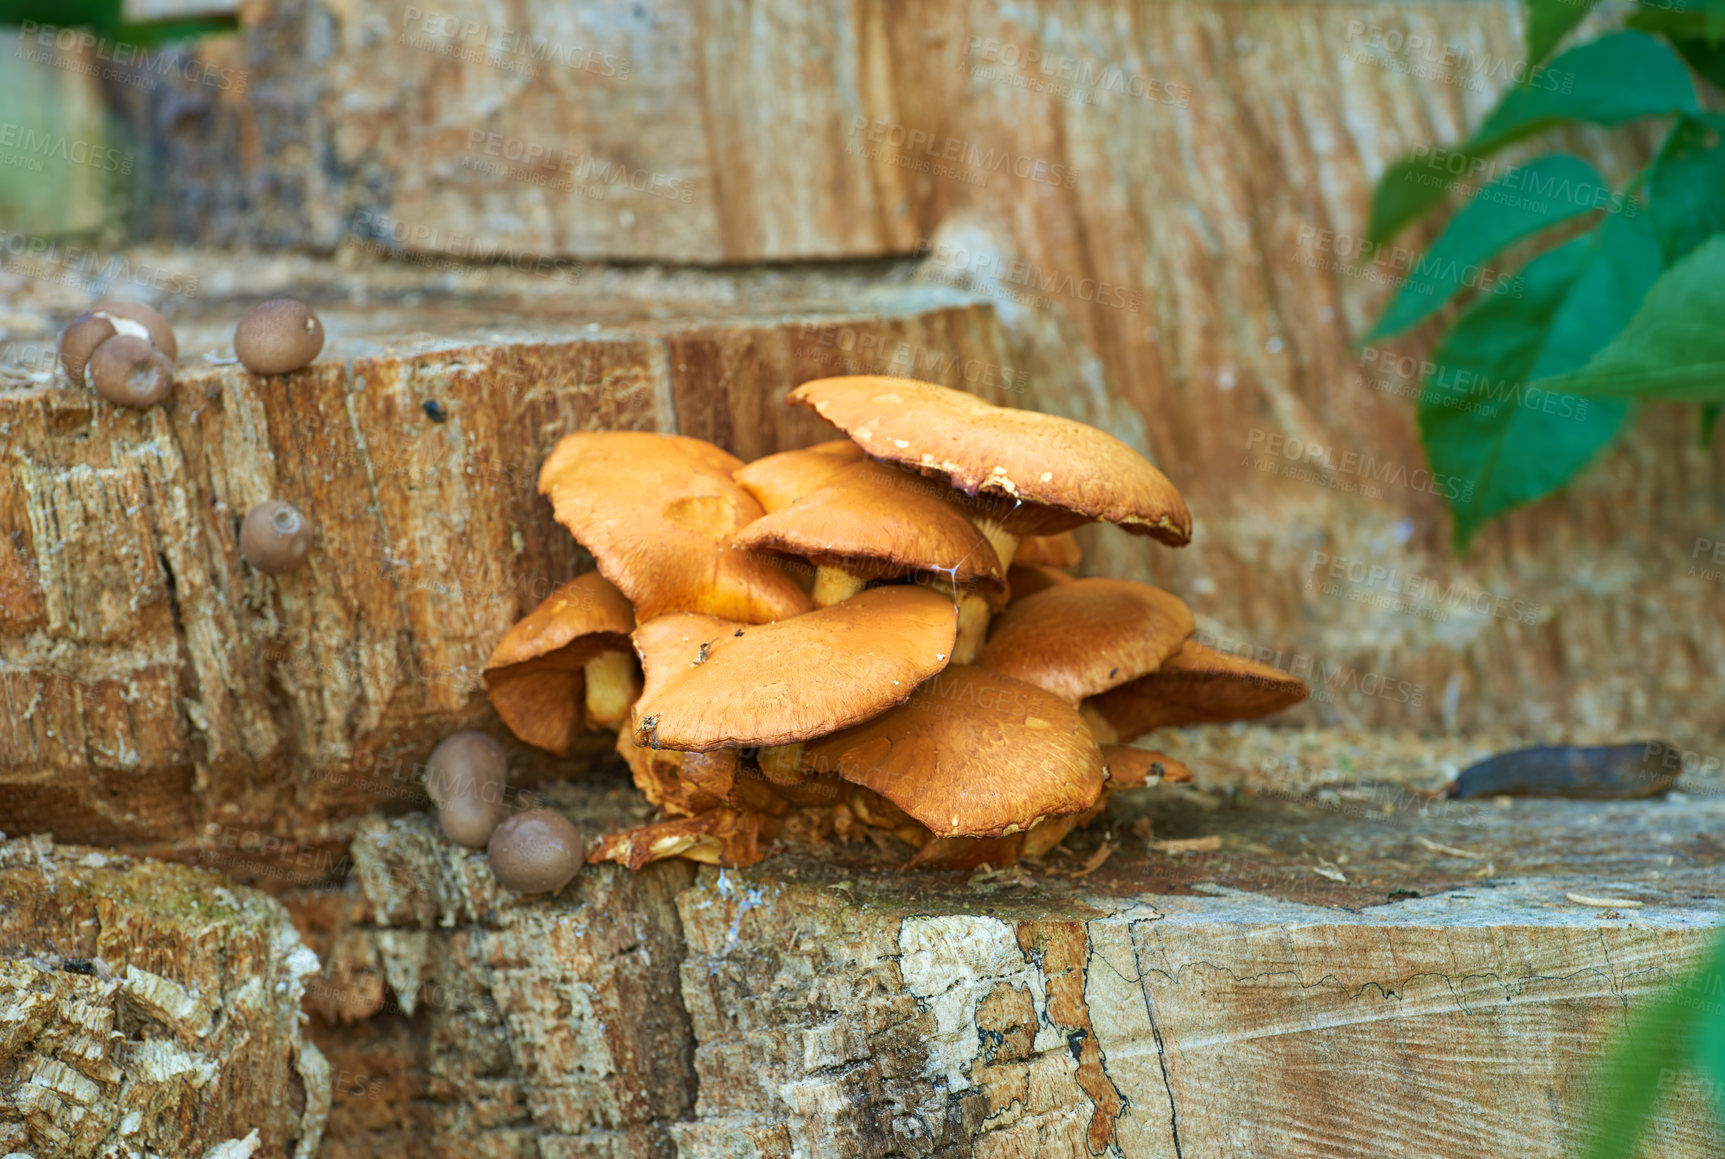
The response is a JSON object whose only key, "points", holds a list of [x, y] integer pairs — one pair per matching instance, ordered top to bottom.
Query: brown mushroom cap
{"points": [[127, 317], [278, 336], [79, 340], [130, 372], [1055, 473], [777, 481], [658, 513], [878, 522], [275, 537], [1049, 550], [1026, 579], [1085, 637], [534, 676], [715, 683], [1198, 685], [972, 754], [1130, 768], [466, 778], [535, 852]]}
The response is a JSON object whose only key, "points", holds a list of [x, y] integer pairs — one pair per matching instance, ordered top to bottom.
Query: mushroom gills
{"points": [[1005, 543], [612, 687], [782, 764]]}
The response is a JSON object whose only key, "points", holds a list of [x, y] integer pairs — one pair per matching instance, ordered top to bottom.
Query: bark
{"points": [[1378, 974], [150, 1009]]}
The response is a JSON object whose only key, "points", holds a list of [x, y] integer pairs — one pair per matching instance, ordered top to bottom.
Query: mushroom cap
{"points": [[157, 330], [278, 336], [79, 340], [130, 372], [1055, 473], [777, 481], [658, 513], [879, 522], [275, 537], [1059, 550], [1024, 580], [1085, 637], [534, 676], [713, 683], [1198, 685], [972, 754], [1130, 768], [466, 777], [722, 836], [535, 852]]}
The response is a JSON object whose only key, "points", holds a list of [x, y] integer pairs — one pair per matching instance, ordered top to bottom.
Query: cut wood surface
{"points": [[1165, 203], [163, 696], [1324, 976], [150, 1009]]}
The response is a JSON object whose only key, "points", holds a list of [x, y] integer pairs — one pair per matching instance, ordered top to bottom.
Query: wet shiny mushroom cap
{"points": [[139, 321], [278, 336], [79, 340], [130, 372], [1039, 474], [777, 481], [275, 537], [1197, 685], [466, 778], [535, 852]]}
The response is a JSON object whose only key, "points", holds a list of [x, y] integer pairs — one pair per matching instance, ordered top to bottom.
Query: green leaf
{"points": [[1549, 21], [1621, 77], [1686, 184], [1524, 201], [1674, 347], [1709, 420], [1505, 441], [1709, 1029], [1631, 1080]]}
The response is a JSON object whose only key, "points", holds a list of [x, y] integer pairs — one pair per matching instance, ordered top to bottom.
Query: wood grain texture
{"points": [[1164, 204], [164, 697], [1325, 982], [150, 1008]]}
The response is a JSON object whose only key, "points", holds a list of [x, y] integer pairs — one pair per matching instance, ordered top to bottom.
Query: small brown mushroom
{"points": [[139, 321], [278, 336], [79, 340], [130, 372], [275, 537], [1049, 550], [1026, 579], [1197, 685], [466, 778], [535, 852]]}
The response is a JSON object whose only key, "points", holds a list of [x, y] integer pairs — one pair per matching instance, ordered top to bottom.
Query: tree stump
{"points": [[150, 1009]]}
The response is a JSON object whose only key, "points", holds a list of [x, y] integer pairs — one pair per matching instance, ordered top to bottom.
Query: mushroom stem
{"points": [[1005, 543], [833, 584], [972, 627], [611, 688], [1104, 732], [782, 764]]}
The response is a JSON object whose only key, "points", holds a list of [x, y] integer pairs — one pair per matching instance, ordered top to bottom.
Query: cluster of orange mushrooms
{"points": [[864, 638]]}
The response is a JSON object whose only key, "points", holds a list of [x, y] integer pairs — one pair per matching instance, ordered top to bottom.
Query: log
{"points": [[1164, 204], [164, 698], [1270, 972], [150, 1008]]}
